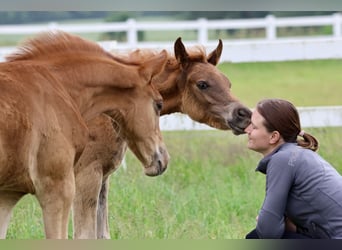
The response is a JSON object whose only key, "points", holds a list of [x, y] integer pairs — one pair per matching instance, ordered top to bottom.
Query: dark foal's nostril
{"points": [[244, 113]]}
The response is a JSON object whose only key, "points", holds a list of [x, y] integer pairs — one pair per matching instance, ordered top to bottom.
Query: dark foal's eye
{"points": [[202, 85]]}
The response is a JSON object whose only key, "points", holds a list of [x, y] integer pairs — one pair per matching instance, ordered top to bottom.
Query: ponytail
{"points": [[308, 141]]}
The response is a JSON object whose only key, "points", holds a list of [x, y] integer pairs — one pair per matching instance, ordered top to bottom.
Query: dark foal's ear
{"points": [[181, 54], [215, 55]]}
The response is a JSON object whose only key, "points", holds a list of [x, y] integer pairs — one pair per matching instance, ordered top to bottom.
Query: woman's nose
{"points": [[248, 128]]}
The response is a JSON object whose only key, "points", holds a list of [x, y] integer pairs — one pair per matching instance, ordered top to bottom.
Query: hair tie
{"points": [[301, 133]]}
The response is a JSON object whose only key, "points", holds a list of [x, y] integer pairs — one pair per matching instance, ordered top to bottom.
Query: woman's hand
{"points": [[289, 225]]}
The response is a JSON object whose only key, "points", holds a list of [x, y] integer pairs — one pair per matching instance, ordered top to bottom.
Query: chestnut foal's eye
{"points": [[202, 85], [159, 105]]}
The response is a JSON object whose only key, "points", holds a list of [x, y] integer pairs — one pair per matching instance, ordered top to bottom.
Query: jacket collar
{"points": [[262, 166]]}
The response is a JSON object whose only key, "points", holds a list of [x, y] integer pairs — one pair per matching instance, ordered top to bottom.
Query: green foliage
{"points": [[18, 17], [25, 17], [122, 35]]}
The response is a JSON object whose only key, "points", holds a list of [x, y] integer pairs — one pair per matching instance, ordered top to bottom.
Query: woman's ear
{"points": [[275, 137]]}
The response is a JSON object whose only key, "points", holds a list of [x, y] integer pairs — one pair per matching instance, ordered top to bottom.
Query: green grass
{"points": [[305, 83], [210, 190]]}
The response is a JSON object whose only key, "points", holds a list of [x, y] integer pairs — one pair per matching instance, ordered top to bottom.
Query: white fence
{"points": [[269, 48], [313, 117]]}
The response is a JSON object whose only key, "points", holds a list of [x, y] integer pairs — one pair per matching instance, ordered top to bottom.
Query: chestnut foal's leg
{"points": [[88, 185], [56, 202], [102, 212]]}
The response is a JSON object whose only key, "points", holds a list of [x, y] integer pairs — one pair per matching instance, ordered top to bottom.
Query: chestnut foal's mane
{"points": [[55, 43], [59, 43], [196, 54]]}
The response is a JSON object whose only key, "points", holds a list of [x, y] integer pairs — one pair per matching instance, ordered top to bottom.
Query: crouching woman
{"points": [[303, 191]]}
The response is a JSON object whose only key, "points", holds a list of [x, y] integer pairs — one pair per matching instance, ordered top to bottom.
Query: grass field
{"points": [[305, 83], [210, 190]]}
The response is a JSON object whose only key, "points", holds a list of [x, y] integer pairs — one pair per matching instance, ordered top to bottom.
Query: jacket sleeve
{"points": [[278, 184]]}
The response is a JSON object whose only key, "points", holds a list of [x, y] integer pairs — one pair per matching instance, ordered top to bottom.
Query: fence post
{"points": [[337, 24], [53, 26], [271, 29], [202, 35], [132, 37]]}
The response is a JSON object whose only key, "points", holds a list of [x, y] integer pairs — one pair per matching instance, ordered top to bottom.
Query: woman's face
{"points": [[259, 139]]}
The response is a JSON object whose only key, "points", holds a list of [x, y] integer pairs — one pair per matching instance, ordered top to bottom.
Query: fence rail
{"points": [[269, 48], [312, 117]]}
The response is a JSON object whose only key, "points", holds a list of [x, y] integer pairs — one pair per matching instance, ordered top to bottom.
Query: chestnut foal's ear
{"points": [[180, 53], [215, 55], [153, 66]]}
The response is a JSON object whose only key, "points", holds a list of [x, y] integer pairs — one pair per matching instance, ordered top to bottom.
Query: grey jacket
{"points": [[304, 187]]}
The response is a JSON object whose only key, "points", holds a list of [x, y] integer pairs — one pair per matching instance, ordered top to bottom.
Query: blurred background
{"points": [[78, 17], [247, 35]]}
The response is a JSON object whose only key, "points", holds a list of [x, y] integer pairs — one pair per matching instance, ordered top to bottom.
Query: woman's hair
{"points": [[282, 116]]}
